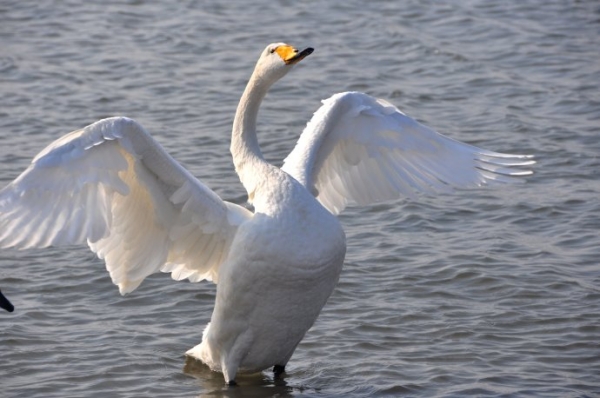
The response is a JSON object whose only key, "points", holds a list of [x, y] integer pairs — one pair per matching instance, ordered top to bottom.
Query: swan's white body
{"points": [[111, 185]]}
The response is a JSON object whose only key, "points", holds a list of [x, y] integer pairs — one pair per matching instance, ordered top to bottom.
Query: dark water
{"points": [[490, 292]]}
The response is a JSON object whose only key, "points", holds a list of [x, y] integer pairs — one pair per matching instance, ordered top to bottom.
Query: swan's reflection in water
{"points": [[249, 385]]}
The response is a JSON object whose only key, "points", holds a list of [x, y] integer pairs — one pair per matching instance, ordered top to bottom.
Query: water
{"points": [[488, 292]]}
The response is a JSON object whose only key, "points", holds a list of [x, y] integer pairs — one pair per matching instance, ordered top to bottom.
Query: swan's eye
{"points": [[272, 51]]}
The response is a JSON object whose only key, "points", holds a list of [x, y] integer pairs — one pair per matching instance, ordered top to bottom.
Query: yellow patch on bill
{"points": [[286, 52]]}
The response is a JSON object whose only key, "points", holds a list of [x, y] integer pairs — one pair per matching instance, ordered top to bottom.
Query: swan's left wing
{"points": [[358, 149]]}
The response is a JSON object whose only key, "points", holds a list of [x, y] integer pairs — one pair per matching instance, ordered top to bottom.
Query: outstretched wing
{"points": [[358, 149], [113, 186]]}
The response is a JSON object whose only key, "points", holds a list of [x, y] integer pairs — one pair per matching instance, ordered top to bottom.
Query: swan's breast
{"points": [[290, 223]]}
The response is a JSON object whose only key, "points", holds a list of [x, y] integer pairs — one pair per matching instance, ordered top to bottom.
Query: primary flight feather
{"points": [[113, 186]]}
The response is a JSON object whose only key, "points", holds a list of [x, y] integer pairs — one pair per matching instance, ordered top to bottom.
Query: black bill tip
{"points": [[307, 51], [299, 56]]}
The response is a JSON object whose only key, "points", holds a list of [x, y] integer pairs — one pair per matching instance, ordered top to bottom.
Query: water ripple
{"points": [[475, 293]]}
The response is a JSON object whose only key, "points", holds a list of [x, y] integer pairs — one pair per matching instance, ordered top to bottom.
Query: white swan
{"points": [[111, 185]]}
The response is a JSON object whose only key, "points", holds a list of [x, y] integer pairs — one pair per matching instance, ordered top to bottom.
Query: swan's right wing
{"points": [[358, 149], [113, 186]]}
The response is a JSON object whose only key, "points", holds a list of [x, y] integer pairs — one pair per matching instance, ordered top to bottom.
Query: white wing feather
{"points": [[358, 149], [113, 186]]}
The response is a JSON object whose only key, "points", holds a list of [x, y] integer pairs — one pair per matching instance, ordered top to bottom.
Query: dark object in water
{"points": [[4, 303]]}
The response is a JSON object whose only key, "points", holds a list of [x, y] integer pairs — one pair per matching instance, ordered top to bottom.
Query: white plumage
{"points": [[361, 150], [113, 186]]}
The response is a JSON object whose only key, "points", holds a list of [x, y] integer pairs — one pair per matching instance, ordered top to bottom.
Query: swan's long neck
{"points": [[247, 157]]}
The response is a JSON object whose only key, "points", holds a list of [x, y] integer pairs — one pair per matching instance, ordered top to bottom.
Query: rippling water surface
{"points": [[487, 292]]}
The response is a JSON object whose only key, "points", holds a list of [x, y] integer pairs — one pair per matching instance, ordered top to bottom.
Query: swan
{"points": [[113, 186]]}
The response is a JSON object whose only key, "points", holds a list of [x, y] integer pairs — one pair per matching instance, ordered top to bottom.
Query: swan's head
{"points": [[277, 59]]}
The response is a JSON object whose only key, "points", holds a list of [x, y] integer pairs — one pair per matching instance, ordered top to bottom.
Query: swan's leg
{"points": [[278, 370]]}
